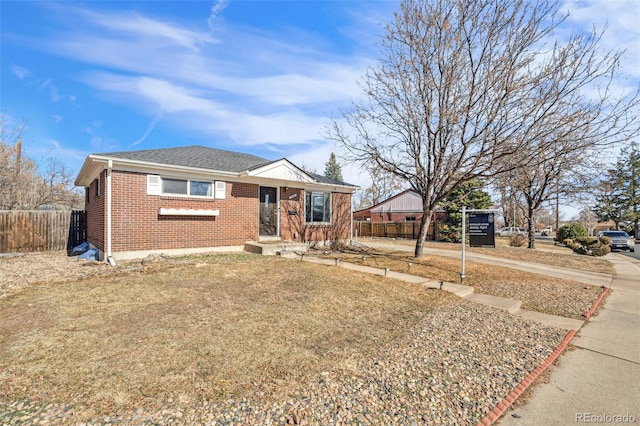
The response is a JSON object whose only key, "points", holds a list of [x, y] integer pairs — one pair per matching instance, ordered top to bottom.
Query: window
{"points": [[98, 186], [170, 186], [175, 186], [200, 188], [318, 207], [410, 218]]}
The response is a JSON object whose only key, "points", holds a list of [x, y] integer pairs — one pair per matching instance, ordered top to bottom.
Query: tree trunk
{"points": [[532, 225], [422, 233]]}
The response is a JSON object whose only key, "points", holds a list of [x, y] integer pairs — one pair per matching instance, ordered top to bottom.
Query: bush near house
{"points": [[572, 231], [518, 240], [589, 245]]}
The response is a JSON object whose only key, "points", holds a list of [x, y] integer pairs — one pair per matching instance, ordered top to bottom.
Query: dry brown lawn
{"points": [[545, 253], [537, 292], [219, 326]]}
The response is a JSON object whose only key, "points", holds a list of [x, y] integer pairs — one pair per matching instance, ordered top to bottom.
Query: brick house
{"points": [[194, 199], [403, 207]]}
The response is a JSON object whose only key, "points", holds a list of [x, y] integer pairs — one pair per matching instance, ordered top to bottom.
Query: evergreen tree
{"points": [[332, 169], [472, 196], [618, 196]]}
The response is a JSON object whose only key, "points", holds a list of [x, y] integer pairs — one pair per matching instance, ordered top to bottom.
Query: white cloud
{"points": [[216, 9], [620, 17], [20, 72], [253, 87], [57, 118], [147, 132]]}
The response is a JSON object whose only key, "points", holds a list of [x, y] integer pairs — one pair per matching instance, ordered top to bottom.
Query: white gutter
{"points": [[109, 169], [351, 224]]}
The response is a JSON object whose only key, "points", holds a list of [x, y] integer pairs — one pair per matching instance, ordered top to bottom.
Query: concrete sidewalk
{"points": [[592, 278], [599, 381]]}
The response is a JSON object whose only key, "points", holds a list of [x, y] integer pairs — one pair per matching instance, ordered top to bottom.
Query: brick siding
{"points": [[136, 224]]}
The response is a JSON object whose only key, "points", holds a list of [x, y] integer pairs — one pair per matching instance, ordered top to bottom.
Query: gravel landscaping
{"points": [[455, 365], [452, 369]]}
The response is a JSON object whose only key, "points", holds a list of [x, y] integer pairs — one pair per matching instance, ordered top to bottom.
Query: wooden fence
{"points": [[407, 230], [23, 231]]}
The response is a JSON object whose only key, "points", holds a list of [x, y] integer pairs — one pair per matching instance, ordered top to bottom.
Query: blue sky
{"points": [[262, 77]]}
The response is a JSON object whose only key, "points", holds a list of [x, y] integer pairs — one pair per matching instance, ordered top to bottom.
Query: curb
{"points": [[591, 311], [502, 406]]}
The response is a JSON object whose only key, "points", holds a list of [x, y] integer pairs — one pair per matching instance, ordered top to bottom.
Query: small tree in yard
{"points": [[461, 87], [470, 195], [571, 231]]}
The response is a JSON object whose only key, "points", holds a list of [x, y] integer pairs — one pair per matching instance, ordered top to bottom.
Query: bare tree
{"points": [[463, 85], [563, 170], [383, 185], [22, 186]]}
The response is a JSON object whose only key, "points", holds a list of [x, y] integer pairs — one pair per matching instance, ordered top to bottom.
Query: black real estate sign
{"points": [[481, 230]]}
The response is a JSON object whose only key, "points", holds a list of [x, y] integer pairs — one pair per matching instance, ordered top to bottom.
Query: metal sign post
{"points": [[464, 226], [486, 229]]}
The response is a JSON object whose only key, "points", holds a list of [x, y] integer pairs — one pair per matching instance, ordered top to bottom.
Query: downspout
{"points": [[109, 169], [351, 222]]}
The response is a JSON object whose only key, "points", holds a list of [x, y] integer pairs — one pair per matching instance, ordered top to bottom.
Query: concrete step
{"points": [[272, 248], [458, 289], [509, 305]]}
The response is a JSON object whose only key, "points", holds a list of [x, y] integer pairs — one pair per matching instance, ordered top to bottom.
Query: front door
{"points": [[268, 211]]}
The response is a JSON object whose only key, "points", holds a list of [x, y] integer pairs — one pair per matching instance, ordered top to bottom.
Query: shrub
{"points": [[571, 230], [517, 240], [604, 240], [586, 241], [587, 246], [601, 250]]}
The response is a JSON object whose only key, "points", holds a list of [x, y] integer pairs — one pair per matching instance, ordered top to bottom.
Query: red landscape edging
{"points": [[590, 312], [502, 406]]}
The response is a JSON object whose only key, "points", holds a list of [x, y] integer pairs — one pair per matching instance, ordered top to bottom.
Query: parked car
{"points": [[511, 230], [619, 240]]}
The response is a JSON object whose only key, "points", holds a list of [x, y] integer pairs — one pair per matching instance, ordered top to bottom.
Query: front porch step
{"points": [[272, 248]]}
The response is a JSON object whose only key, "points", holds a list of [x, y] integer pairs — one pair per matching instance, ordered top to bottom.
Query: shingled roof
{"points": [[195, 156], [206, 158]]}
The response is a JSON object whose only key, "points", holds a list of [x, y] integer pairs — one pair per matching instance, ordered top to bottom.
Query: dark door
{"points": [[268, 211]]}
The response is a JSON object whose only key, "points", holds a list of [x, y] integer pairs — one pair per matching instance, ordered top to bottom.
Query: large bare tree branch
{"points": [[463, 88]]}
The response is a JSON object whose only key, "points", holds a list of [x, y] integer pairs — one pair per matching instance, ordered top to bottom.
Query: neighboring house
{"points": [[194, 199], [402, 207], [603, 226]]}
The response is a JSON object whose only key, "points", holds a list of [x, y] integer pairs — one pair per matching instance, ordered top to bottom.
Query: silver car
{"points": [[619, 240]]}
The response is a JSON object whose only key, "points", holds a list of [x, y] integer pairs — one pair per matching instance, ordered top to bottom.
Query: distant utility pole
{"points": [[557, 212]]}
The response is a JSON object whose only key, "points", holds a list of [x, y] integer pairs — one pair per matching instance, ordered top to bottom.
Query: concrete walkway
{"points": [[592, 278], [467, 292], [599, 381]]}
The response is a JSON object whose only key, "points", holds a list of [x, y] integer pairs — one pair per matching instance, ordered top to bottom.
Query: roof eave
{"points": [[88, 173]]}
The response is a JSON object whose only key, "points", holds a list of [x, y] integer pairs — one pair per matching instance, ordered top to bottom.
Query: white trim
{"points": [[94, 164], [109, 170], [282, 170], [154, 185], [219, 190], [187, 212], [139, 254]]}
